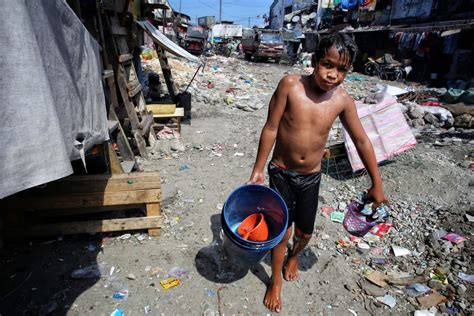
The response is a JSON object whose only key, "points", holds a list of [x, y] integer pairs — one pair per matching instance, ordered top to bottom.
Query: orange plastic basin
{"points": [[254, 228]]}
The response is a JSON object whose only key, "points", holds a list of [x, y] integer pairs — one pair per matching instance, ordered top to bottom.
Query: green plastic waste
{"points": [[452, 95], [468, 96]]}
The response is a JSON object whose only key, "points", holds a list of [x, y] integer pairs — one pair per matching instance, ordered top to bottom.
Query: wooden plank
{"points": [[118, 30], [125, 57], [165, 68], [107, 73], [132, 84], [133, 92], [129, 107], [162, 108], [178, 112], [146, 123], [122, 141], [141, 144], [114, 163], [149, 175], [80, 185], [80, 188], [90, 200], [87, 210], [153, 210], [87, 227]]}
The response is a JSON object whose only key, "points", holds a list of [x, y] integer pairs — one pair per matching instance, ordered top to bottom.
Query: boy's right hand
{"points": [[256, 178]]}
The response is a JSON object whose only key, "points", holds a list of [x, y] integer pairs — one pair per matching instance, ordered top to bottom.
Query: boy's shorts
{"points": [[300, 193]]}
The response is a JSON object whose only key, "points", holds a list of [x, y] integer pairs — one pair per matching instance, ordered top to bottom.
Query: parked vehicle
{"points": [[195, 41], [261, 44], [195, 45], [386, 68]]}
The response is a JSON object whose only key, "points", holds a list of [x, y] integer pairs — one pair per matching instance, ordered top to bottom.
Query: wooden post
{"points": [[153, 209]]}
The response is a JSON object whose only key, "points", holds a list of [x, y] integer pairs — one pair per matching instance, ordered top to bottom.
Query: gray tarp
{"points": [[166, 43], [51, 93]]}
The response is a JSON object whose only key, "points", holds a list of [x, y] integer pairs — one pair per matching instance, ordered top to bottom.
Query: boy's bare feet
{"points": [[291, 269], [272, 298]]}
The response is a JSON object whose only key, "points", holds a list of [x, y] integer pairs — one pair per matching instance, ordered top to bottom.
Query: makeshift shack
{"points": [[74, 95]]}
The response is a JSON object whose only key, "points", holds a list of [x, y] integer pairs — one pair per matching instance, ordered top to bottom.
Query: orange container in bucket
{"points": [[254, 228]]}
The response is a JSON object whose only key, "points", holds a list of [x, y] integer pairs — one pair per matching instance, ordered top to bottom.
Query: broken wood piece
{"points": [[88, 227], [377, 278], [431, 300]]}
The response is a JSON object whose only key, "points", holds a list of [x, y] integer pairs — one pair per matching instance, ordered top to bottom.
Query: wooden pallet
{"points": [[79, 195]]}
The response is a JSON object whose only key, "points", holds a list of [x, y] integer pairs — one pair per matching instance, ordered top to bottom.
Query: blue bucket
{"points": [[242, 202]]}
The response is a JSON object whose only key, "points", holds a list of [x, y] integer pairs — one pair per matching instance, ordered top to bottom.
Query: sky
{"points": [[238, 11]]}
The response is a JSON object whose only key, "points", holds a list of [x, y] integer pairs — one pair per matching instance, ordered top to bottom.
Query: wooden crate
{"points": [[79, 195]]}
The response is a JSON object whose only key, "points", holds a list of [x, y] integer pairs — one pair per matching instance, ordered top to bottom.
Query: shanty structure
{"points": [[75, 117]]}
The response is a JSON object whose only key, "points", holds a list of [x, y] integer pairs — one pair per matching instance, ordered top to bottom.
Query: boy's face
{"points": [[330, 71]]}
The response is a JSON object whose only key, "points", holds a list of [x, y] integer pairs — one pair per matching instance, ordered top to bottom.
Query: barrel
{"points": [[242, 202]]}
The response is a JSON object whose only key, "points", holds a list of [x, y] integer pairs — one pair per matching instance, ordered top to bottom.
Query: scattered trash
{"points": [[352, 77], [228, 99], [238, 154], [184, 168], [327, 209], [337, 216], [469, 218], [381, 229], [125, 236], [141, 237], [454, 238], [343, 243], [363, 246], [91, 248], [400, 251], [154, 271], [89, 272], [178, 272], [438, 274], [131, 276], [466, 277], [377, 278], [170, 283], [416, 290], [210, 292], [120, 295], [388, 300], [431, 300], [47, 309], [147, 309], [117, 312], [353, 312], [424, 312]]}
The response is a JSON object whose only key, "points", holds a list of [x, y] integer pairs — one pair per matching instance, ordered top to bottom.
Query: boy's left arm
{"points": [[351, 122]]}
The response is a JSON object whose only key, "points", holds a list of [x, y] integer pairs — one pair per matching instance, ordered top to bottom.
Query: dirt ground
{"points": [[429, 187]]}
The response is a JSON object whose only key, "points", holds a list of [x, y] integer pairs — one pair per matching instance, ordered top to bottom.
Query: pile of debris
{"points": [[226, 83], [420, 259]]}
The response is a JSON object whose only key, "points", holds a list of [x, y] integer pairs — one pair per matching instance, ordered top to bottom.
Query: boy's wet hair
{"points": [[344, 44]]}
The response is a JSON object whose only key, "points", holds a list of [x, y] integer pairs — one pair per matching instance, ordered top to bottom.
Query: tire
{"points": [[248, 56], [369, 69], [398, 74]]}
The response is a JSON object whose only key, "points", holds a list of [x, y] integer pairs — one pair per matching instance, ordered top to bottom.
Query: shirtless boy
{"points": [[300, 115]]}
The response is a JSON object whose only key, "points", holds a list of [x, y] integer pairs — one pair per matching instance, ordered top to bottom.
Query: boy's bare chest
{"points": [[317, 113]]}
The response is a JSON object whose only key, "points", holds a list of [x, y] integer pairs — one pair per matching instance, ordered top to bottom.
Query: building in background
{"points": [[280, 8], [182, 23]]}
